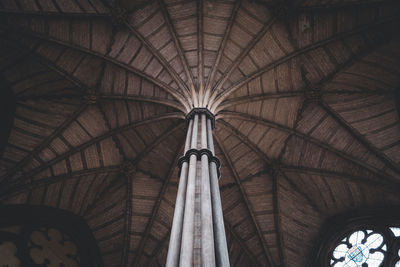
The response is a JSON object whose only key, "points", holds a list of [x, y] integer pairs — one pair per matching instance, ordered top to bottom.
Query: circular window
{"points": [[359, 238], [360, 248]]}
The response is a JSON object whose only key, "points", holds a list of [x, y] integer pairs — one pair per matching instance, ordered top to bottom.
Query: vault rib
{"points": [[344, 5], [49, 14], [178, 45], [221, 49], [200, 52], [242, 55], [161, 59], [50, 65], [323, 82], [222, 96], [258, 97], [129, 98], [181, 98], [252, 98], [166, 102], [112, 132], [293, 132], [353, 132], [115, 138], [35, 153], [341, 176], [18, 188], [300, 192], [101, 194], [246, 200], [156, 207], [277, 220], [128, 222], [241, 243], [158, 248]]}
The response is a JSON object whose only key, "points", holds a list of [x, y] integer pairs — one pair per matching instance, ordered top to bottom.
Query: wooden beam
{"points": [[343, 5], [55, 15], [178, 45], [221, 49], [242, 55], [200, 56], [162, 60], [177, 94], [222, 96], [259, 97], [129, 98], [293, 132], [111, 133], [359, 137], [115, 138], [35, 153], [392, 187], [15, 189], [299, 191], [101, 194], [246, 201], [157, 205], [277, 220], [128, 222], [242, 244], [158, 248]]}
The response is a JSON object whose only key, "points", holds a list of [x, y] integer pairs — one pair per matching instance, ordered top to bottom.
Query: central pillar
{"points": [[198, 232]]}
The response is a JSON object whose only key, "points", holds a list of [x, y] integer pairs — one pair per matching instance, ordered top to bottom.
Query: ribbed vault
{"points": [[304, 94]]}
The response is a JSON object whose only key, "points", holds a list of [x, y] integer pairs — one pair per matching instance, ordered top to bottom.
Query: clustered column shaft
{"points": [[198, 233]]}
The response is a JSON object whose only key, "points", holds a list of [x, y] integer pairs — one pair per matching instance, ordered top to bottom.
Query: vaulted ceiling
{"points": [[303, 92]]}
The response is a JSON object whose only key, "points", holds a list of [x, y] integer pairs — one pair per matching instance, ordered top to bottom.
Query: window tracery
{"points": [[45, 237], [363, 239], [359, 248]]}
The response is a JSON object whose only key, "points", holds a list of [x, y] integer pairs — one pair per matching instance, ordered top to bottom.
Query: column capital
{"points": [[206, 111], [198, 153]]}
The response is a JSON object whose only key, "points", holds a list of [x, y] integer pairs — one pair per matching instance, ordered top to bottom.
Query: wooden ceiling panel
{"points": [[48, 6], [215, 14], [314, 26], [155, 31], [240, 40], [357, 43], [273, 45], [142, 62], [376, 72], [32, 79], [283, 80], [281, 111], [119, 113], [374, 117], [317, 123], [33, 125], [306, 127], [269, 140], [303, 153], [161, 156], [253, 164], [239, 170], [226, 181], [330, 195], [298, 223]]}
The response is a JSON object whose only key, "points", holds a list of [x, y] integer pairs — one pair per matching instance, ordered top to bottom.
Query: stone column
{"points": [[198, 233]]}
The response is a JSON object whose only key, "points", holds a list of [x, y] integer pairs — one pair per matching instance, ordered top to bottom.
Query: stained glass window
{"points": [[396, 231], [359, 247], [368, 248], [398, 262]]}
